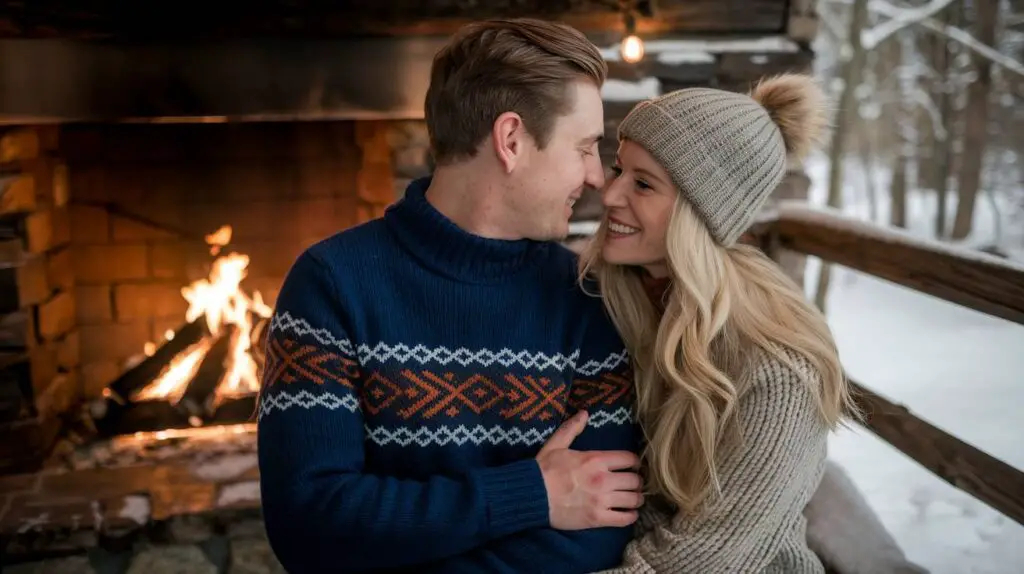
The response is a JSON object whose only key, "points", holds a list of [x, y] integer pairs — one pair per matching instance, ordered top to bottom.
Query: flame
{"points": [[220, 299], [170, 384]]}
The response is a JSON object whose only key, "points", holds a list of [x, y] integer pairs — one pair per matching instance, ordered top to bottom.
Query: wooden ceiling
{"points": [[194, 19]]}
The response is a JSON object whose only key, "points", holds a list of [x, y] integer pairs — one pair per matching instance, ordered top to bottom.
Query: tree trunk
{"points": [[851, 73], [975, 121], [906, 130], [943, 149], [867, 160], [934, 167], [898, 212]]}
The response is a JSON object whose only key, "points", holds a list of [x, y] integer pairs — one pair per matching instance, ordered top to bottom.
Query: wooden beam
{"points": [[193, 18], [972, 279], [973, 471]]}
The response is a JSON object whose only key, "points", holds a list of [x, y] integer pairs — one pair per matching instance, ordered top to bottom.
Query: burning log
{"points": [[141, 375], [198, 399]]}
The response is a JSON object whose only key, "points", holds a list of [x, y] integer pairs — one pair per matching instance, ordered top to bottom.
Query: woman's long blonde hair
{"points": [[727, 307], [692, 362]]}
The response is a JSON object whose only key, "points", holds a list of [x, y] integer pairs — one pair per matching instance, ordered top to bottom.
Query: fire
{"points": [[219, 299]]}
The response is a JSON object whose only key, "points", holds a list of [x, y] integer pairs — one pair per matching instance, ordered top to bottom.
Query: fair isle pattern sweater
{"points": [[413, 372], [757, 525]]}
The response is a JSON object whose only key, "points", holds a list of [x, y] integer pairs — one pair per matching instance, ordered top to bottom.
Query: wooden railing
{"points": [[978, 281]]}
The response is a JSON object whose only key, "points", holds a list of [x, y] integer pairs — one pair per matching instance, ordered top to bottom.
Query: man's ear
{"points": [[508, 136]]}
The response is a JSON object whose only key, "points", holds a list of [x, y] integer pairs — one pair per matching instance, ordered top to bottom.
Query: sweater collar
{"points": [[438, 243]]}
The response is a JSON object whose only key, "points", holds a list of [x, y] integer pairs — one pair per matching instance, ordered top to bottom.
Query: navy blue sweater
{"points": [[413, 372]]}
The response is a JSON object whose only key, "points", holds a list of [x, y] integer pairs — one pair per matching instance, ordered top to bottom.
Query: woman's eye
{"points": [[643, 185]]}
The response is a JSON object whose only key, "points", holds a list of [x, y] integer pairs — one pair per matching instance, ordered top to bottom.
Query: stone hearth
{"points": [[148, 504]]}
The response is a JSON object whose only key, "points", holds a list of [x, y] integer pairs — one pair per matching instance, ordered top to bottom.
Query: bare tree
{"points": [[852, 58], [976, 116]]}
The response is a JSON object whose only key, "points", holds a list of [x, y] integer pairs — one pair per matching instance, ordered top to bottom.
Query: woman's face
{"points": [[639, 199]]}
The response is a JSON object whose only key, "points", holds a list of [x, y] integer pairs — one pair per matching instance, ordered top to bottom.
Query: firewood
{"points": [[136, 378]]}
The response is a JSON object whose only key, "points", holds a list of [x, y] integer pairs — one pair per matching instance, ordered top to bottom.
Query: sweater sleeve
{"points": [[602, 385], [766, 482], [321, 509]]}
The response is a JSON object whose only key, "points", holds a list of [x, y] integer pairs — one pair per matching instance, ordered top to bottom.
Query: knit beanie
{"points": [[725, 151]]}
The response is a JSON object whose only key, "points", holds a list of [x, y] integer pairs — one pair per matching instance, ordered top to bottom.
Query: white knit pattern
{"points": [[382, 352], [282, 401]]}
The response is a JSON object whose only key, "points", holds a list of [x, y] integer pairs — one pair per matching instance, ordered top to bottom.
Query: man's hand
{"points": [[588, 489]]}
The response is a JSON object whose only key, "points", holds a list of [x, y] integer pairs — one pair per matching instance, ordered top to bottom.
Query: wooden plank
{"points": [[91, 19], [17, 193], [47, 229], [972, 279], [23, 284], [56, 317], [17, 330], [15, 385], [27, 442], [981, 475]]}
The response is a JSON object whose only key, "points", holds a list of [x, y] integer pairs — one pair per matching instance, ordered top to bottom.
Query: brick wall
{"points": [[143, 196]]}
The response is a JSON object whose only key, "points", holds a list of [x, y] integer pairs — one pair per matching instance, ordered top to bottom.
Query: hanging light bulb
{"points": [[632, 47]]}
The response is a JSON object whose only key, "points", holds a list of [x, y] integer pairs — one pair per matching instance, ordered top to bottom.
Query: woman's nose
{"points": [[613, 195]]}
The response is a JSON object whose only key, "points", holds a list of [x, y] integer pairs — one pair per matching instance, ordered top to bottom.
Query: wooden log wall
{"points": [[193, 19], [38, 340]]}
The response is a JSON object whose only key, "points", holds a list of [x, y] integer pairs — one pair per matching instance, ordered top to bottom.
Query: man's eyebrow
{"points": [[592, 139]]}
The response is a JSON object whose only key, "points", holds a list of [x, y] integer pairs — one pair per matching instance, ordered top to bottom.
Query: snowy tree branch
{"points": [[826, 17], [899, 18], [953, 33], [925, 101]]}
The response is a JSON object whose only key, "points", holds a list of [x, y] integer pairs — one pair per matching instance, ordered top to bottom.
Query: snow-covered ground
{"points": [[956, 368]]}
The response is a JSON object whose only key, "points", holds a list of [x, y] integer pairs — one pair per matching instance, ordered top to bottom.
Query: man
{"points": [[417, 365]]}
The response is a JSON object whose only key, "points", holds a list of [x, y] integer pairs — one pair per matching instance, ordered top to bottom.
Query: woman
{"points": [[738, 378]]}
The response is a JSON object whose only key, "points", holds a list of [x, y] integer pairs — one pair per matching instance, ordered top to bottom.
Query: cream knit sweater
{"points": [[757, 525]]}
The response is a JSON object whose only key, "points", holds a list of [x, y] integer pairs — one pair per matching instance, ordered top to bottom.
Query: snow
{"points": [[677, 48], [623, 91], [956, 368], [225, 467], [231, 494], [136, 508]]}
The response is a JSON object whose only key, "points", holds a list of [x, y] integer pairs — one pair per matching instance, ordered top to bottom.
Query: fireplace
{"points": [[143, 260]]}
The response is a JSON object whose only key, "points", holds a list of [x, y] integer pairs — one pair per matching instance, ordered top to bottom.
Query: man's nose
{"points": [[595, 173]]}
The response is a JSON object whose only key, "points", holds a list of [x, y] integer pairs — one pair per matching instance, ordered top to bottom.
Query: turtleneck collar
{"points": [[446, 248]]}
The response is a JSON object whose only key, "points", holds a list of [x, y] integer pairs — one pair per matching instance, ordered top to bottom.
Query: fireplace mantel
{"points": [[58, 80]]}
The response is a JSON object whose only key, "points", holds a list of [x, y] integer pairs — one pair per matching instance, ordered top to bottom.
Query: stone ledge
{"points": [[185, 498], [241, 556]]}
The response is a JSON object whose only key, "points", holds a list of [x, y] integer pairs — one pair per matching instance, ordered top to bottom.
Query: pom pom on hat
{"points": [[797, 105]]}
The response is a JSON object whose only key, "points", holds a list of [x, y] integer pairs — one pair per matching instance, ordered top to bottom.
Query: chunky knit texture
{"points": [[721, 149], [413, 372], [757, 525]]}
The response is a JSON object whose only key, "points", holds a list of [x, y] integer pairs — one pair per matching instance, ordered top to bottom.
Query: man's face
{"points": [[548, 182]]}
